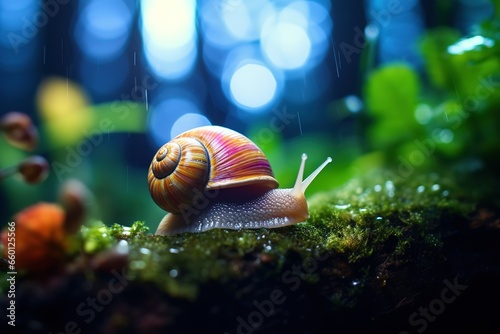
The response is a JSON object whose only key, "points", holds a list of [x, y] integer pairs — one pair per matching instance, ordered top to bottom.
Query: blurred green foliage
{"points": [[446, 116]]}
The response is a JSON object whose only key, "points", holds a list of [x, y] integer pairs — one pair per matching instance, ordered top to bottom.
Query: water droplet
{"points": [[372, 31], [353, 103], [423, 114], [446, 136], [389, 185], [435, 187], [377, 188], [420, 189], [446, 193], [340, 206], [362, 210], [378, 218], [126, 230], [122, 247], [173, 250], [145, 251], [173, 273], [355, 282]]}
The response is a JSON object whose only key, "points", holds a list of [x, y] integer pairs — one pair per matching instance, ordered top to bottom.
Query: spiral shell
{"points": [[205, 158]]}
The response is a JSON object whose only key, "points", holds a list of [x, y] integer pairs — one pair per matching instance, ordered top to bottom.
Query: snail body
{"points": [[213, 177]]}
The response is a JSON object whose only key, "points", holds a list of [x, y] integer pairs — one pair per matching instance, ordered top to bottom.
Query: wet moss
{"points": [[353, 224]]}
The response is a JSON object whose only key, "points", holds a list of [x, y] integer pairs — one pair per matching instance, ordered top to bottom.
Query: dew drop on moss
{"points": [[145, 251], [173, 273]]}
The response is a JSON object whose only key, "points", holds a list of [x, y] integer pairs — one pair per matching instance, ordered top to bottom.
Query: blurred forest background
{"points": [[402, 86]]}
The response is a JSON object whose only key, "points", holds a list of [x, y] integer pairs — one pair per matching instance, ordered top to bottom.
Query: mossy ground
{"points": [[355, 222], [367, 247]]}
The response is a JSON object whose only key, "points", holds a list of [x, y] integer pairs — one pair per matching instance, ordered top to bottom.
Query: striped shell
{"points": [[205, 158]]}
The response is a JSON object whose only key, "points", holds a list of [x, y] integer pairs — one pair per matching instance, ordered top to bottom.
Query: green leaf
{"points": [[434, 47], [392, 91], [391, 98]]}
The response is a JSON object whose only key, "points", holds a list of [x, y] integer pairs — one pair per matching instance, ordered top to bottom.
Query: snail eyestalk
{"points": [[301, 186]]}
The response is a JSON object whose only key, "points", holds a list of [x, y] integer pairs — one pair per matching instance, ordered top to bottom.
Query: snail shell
{"points": [[206, 158], [219, 160]]}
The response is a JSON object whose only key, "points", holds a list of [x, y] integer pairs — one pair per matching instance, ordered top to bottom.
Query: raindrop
{"points": [[372, 32], [353, 103], [423, 114], [300, 124], [446, 136], [389, 186], [435, 187], [377, 188], [420, 189], [446, 193], [340, 206], [126, 230], [122, 247], [173, 250], [145, 251], [173, 273]]}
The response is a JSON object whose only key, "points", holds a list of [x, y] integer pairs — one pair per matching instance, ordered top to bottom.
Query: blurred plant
{"points": [[449, 115], [19, 130], [21, 133], [45, 232], [39, 239]]}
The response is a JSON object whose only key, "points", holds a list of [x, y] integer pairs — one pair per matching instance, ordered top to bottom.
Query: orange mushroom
{"points": [[40, 241]]}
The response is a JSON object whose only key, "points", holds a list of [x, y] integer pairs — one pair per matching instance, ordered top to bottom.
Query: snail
{"points": [[213, 177]]}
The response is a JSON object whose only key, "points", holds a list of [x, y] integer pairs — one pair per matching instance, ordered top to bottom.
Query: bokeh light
{"points": [[103, 28], [169, 34], [468, 44], [286, 45], [262, 50], [253, 85], [62, 106], [171, 116], [187, 122]]}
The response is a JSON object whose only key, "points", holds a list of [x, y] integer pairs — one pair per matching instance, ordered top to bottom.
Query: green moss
{"points": [[363, 219], [97, 237]]}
